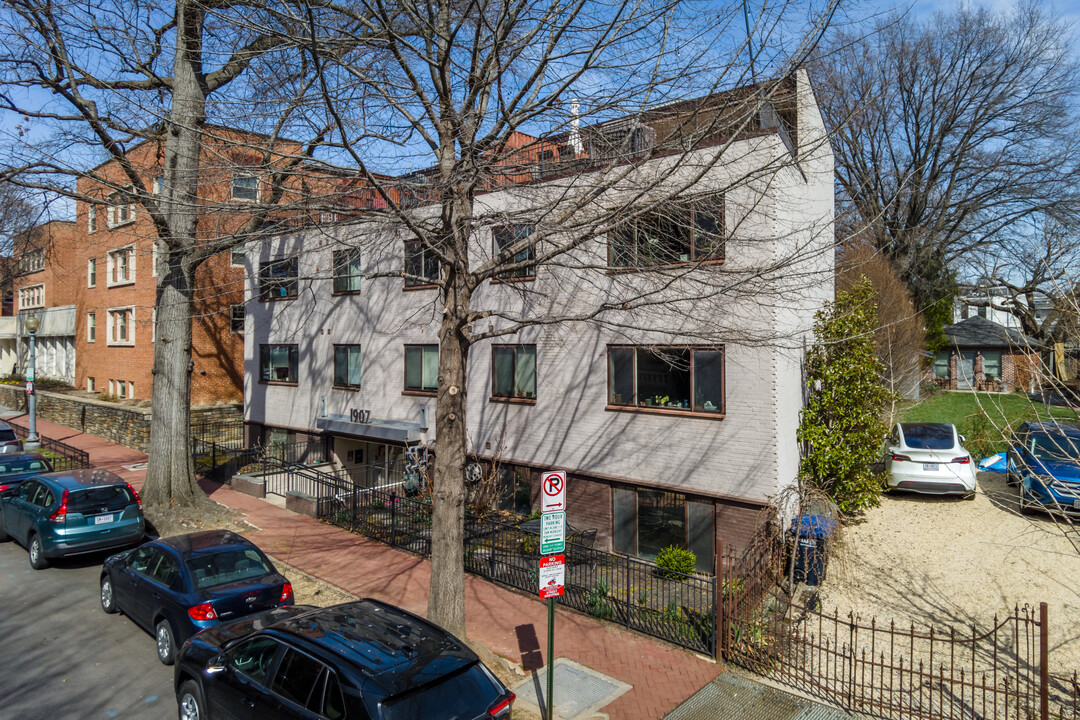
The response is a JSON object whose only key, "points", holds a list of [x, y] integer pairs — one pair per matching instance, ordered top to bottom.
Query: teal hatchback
{"points": [[70, 513]]}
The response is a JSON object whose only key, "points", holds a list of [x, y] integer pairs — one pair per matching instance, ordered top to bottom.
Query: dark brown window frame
{"points": [[692, 259], [336, 264], [530, 275], [291, 283], [416, 284], [290, 383], [335, 384], [406, 390], [508, 398], [678, 412]]}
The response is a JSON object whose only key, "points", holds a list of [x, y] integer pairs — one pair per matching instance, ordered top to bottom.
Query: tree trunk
{"points": [[170, 476]]}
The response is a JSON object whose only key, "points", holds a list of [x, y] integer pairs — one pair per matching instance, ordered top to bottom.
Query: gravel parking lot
{"points": [[945, 561]]}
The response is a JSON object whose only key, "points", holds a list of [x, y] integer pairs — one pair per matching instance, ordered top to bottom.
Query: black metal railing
{"points": [[60, 455], [617, 588]]}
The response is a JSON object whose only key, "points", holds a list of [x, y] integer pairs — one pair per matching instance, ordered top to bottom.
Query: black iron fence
{"points": [[61, 455], [617, 588]]}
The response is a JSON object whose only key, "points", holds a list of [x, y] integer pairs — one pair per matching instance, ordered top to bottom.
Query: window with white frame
{"points": [[158, 184], [245, 187], [120, 212], [91, 219], [154, 249], [236, 256], [32, 261], [121, 266], [91, 272], [32, 296], [236, 318], [153, 325], [91, 327], [119, 330], [90, 387]]}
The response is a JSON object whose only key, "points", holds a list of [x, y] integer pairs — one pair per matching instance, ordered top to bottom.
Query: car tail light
{"points": [[900, 458], [962, 460], [4, 487], [133, 492], [60, 514], [286, 593], [202, 612], [502, 710]]}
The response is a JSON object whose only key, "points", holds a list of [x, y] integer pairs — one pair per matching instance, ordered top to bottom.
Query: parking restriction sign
{"points": [[553, 495], [552, 576]]}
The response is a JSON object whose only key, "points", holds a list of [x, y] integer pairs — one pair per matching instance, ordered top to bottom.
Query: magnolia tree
{"points": [[609, 164]]}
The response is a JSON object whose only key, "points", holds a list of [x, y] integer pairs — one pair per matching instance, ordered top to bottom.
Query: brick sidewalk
{"points": [[508, 623]]}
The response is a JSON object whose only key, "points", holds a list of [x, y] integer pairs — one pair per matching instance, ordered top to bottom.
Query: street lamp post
{"points": [[32, 324]]}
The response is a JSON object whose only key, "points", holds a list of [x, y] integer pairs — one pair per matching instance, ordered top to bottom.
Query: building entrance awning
{"points": [[397, 431]]}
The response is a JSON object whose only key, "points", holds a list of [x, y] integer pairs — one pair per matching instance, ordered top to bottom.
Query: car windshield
{"points": [[7, 435], [928, 436], [1055, 448], [22, 466], [100, 499], [227, 566], [462, 694]]}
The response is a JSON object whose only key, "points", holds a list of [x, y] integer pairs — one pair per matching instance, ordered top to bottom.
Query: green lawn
{"points": [[1003, 412]]}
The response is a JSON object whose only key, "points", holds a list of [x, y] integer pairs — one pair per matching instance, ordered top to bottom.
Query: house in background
{"points": [[985, 356]]}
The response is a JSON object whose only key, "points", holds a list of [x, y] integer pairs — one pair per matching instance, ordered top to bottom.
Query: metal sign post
{"points": [[552, 567]]}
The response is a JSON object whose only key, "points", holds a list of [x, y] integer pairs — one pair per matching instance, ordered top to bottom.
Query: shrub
{"points": [[675, 561]]}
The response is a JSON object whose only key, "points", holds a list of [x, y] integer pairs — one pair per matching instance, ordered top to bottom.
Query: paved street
{"points": [[62, 657]]}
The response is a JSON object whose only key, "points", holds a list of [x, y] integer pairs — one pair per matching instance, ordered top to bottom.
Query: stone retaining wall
{"points": [[121, 424]]}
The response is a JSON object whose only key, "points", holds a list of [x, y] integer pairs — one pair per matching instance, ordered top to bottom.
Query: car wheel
{"points": [[1025, 506], [38, 561], [108, 600], [164, 636], [191, 702]]}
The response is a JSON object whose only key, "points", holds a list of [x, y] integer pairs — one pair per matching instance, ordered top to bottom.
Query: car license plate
{"points": [[929, 466], [1076, 504], [102, 519]]}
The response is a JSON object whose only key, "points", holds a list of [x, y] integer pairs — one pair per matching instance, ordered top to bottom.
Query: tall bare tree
{"points": [[92, 82], [948, 131], [537, 158]]}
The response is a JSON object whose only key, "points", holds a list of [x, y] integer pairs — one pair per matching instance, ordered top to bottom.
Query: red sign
{"points": [[29, 387], [553, 484], [552, 576]]}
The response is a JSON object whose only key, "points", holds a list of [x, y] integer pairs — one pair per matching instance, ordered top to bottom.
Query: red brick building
{"points": [[100, 271], [985, 356]]}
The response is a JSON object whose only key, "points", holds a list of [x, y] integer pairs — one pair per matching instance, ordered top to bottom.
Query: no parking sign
{"points": [[553, 487]]}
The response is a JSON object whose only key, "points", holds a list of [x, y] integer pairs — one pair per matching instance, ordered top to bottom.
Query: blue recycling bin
{"points": [[810, 535]]}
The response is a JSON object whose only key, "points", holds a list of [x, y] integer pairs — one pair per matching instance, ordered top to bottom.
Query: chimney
{"points": [[575, 130]]}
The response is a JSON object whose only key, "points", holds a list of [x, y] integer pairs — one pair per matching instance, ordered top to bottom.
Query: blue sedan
{"points": [[176, 586]]}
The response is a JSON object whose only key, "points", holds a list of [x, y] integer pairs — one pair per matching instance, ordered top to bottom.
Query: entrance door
{"points": [[965, 364]]}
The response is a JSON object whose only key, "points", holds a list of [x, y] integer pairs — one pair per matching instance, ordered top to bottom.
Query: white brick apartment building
{"points": [[667, 436]]}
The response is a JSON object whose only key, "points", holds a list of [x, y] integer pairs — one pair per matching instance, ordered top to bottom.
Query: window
{"points": [[157, 185], [245, 187], [119, 212], [91, 219], [688, 231], [505, 237], [154, 253], [237, 255], [31, 261], [421, 265], [121, 266], [347, 271], [91, 272], [277, 279], [32, 297], [236, 318], [153, 325], [91, 327], [118, 329], [278, 363], [941, 364], [992, 364], [347, 366], [422, 368], [513, 371], [669, 378], [90, 385], [121, 389], [647, 521], [253, 658], [297, 678]]}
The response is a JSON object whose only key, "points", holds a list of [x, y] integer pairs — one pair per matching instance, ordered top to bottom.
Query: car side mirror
{"points": [[963, 439], [216, 665]]}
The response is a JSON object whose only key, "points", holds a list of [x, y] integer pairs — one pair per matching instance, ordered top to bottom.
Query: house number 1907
{"points": [[360, 416]]}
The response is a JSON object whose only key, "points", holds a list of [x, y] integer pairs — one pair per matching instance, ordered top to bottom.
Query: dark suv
{"points": [[9, 441], [364, 660]]}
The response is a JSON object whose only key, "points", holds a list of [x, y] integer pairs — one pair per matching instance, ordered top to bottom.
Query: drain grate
{"points": [[579, 691], [730, 697]]}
